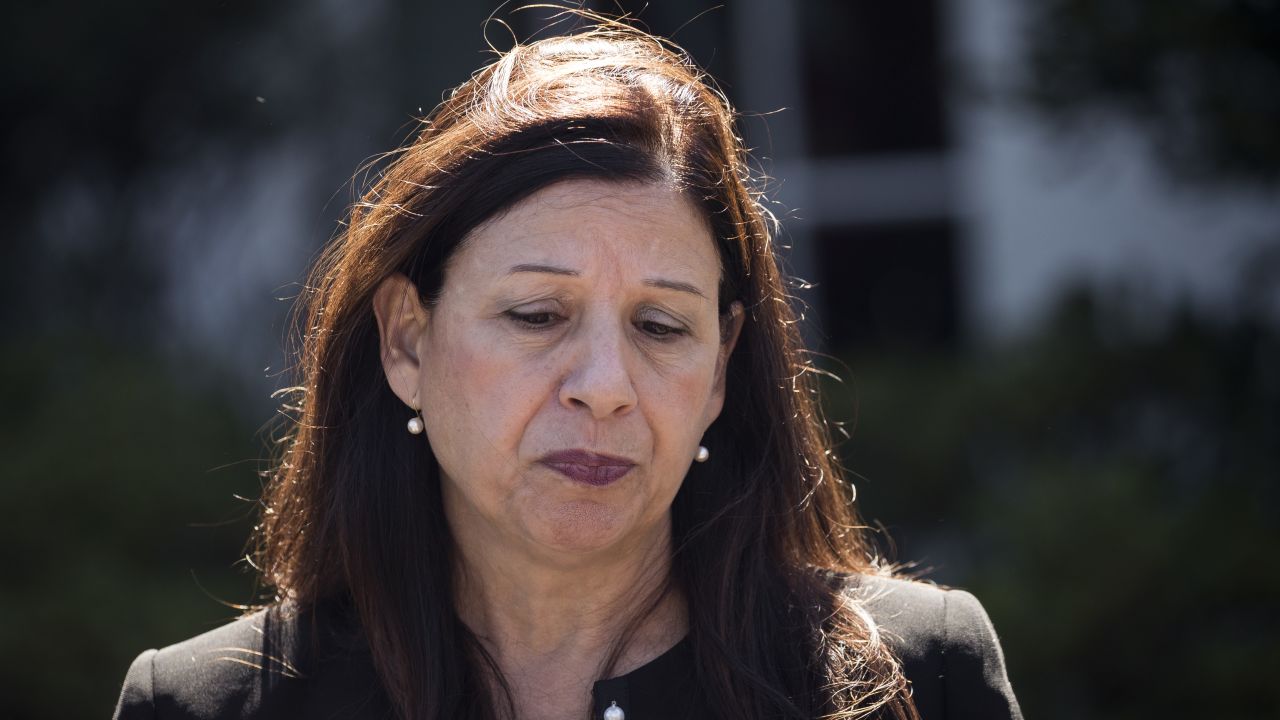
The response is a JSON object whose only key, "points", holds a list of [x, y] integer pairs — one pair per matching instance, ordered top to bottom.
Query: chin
{"points": [[579, 527]]}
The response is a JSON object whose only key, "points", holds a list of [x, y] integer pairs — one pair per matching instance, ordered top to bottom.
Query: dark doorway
{"points": [[893, 285]]}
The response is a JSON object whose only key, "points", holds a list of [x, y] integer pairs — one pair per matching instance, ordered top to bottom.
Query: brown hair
{"points": [[757, 531]]}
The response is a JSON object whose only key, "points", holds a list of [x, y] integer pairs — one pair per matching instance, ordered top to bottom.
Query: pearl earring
{"points": [[415, 424], [703, 454], [613, 712]]}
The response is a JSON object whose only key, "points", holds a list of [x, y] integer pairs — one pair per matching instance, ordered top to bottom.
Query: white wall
{"points": [[1043, 211]]}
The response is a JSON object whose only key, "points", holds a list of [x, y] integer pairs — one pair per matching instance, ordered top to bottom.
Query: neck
{"points": [[527, 609]]}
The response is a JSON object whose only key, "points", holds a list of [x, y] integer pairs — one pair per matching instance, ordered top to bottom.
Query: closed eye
{"points": [[533, 320], [544, 320], [661, 330]]}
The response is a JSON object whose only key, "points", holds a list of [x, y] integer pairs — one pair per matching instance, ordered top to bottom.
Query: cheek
{"points": [[480, 396], [680, 401]]}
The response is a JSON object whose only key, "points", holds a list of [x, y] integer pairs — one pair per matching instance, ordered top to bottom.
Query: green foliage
{"points": [[1201, 77], [1108, 490], [124, 532]]}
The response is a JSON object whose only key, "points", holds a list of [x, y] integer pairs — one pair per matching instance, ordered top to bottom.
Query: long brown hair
{"points": [[353, 510]]}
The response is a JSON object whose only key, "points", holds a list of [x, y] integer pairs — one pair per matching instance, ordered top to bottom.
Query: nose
{"points": [[598, 377]]}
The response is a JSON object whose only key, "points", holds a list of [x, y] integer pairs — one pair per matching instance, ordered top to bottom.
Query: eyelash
{"points": [[526, 320]]}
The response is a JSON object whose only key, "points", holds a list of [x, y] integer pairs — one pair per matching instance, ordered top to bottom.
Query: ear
{"points": [[402, 322], [730, 328]]}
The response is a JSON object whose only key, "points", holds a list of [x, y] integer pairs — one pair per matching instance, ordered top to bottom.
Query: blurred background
{"points": [[1043, 238]]}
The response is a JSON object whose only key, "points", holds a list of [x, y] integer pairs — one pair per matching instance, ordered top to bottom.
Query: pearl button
{"points": [[613, 712]]}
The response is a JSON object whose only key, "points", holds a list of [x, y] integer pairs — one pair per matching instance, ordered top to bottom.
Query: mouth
{"points": [[587, 467]]}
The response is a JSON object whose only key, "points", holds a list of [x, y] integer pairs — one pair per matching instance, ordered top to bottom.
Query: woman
{"points": [[557, 452]]}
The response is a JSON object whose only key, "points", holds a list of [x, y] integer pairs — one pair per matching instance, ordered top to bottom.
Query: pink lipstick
{"points": [[587, 467]]}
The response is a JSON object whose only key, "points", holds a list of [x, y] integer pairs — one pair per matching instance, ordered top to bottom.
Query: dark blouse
{"points": [[246, 669]]}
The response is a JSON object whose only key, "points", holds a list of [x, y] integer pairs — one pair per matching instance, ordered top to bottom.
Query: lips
{"points": [[587, 467]]}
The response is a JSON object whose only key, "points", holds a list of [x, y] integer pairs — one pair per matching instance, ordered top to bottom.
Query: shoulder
{"points": [[923, 619], [946, 643], [275, 663], [219, 674]]}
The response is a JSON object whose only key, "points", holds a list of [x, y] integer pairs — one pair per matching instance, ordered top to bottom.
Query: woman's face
{"points": [[571, 367]]}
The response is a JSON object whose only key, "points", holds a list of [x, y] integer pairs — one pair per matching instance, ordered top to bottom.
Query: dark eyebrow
{"points": [[535, 268], [651, 282], [674, 285]]}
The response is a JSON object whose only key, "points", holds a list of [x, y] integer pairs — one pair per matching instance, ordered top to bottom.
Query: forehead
{"points": [[597, 225]]}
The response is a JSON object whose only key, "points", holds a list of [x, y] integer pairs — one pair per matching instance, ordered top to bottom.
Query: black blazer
{"points": [[269, 666]]}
